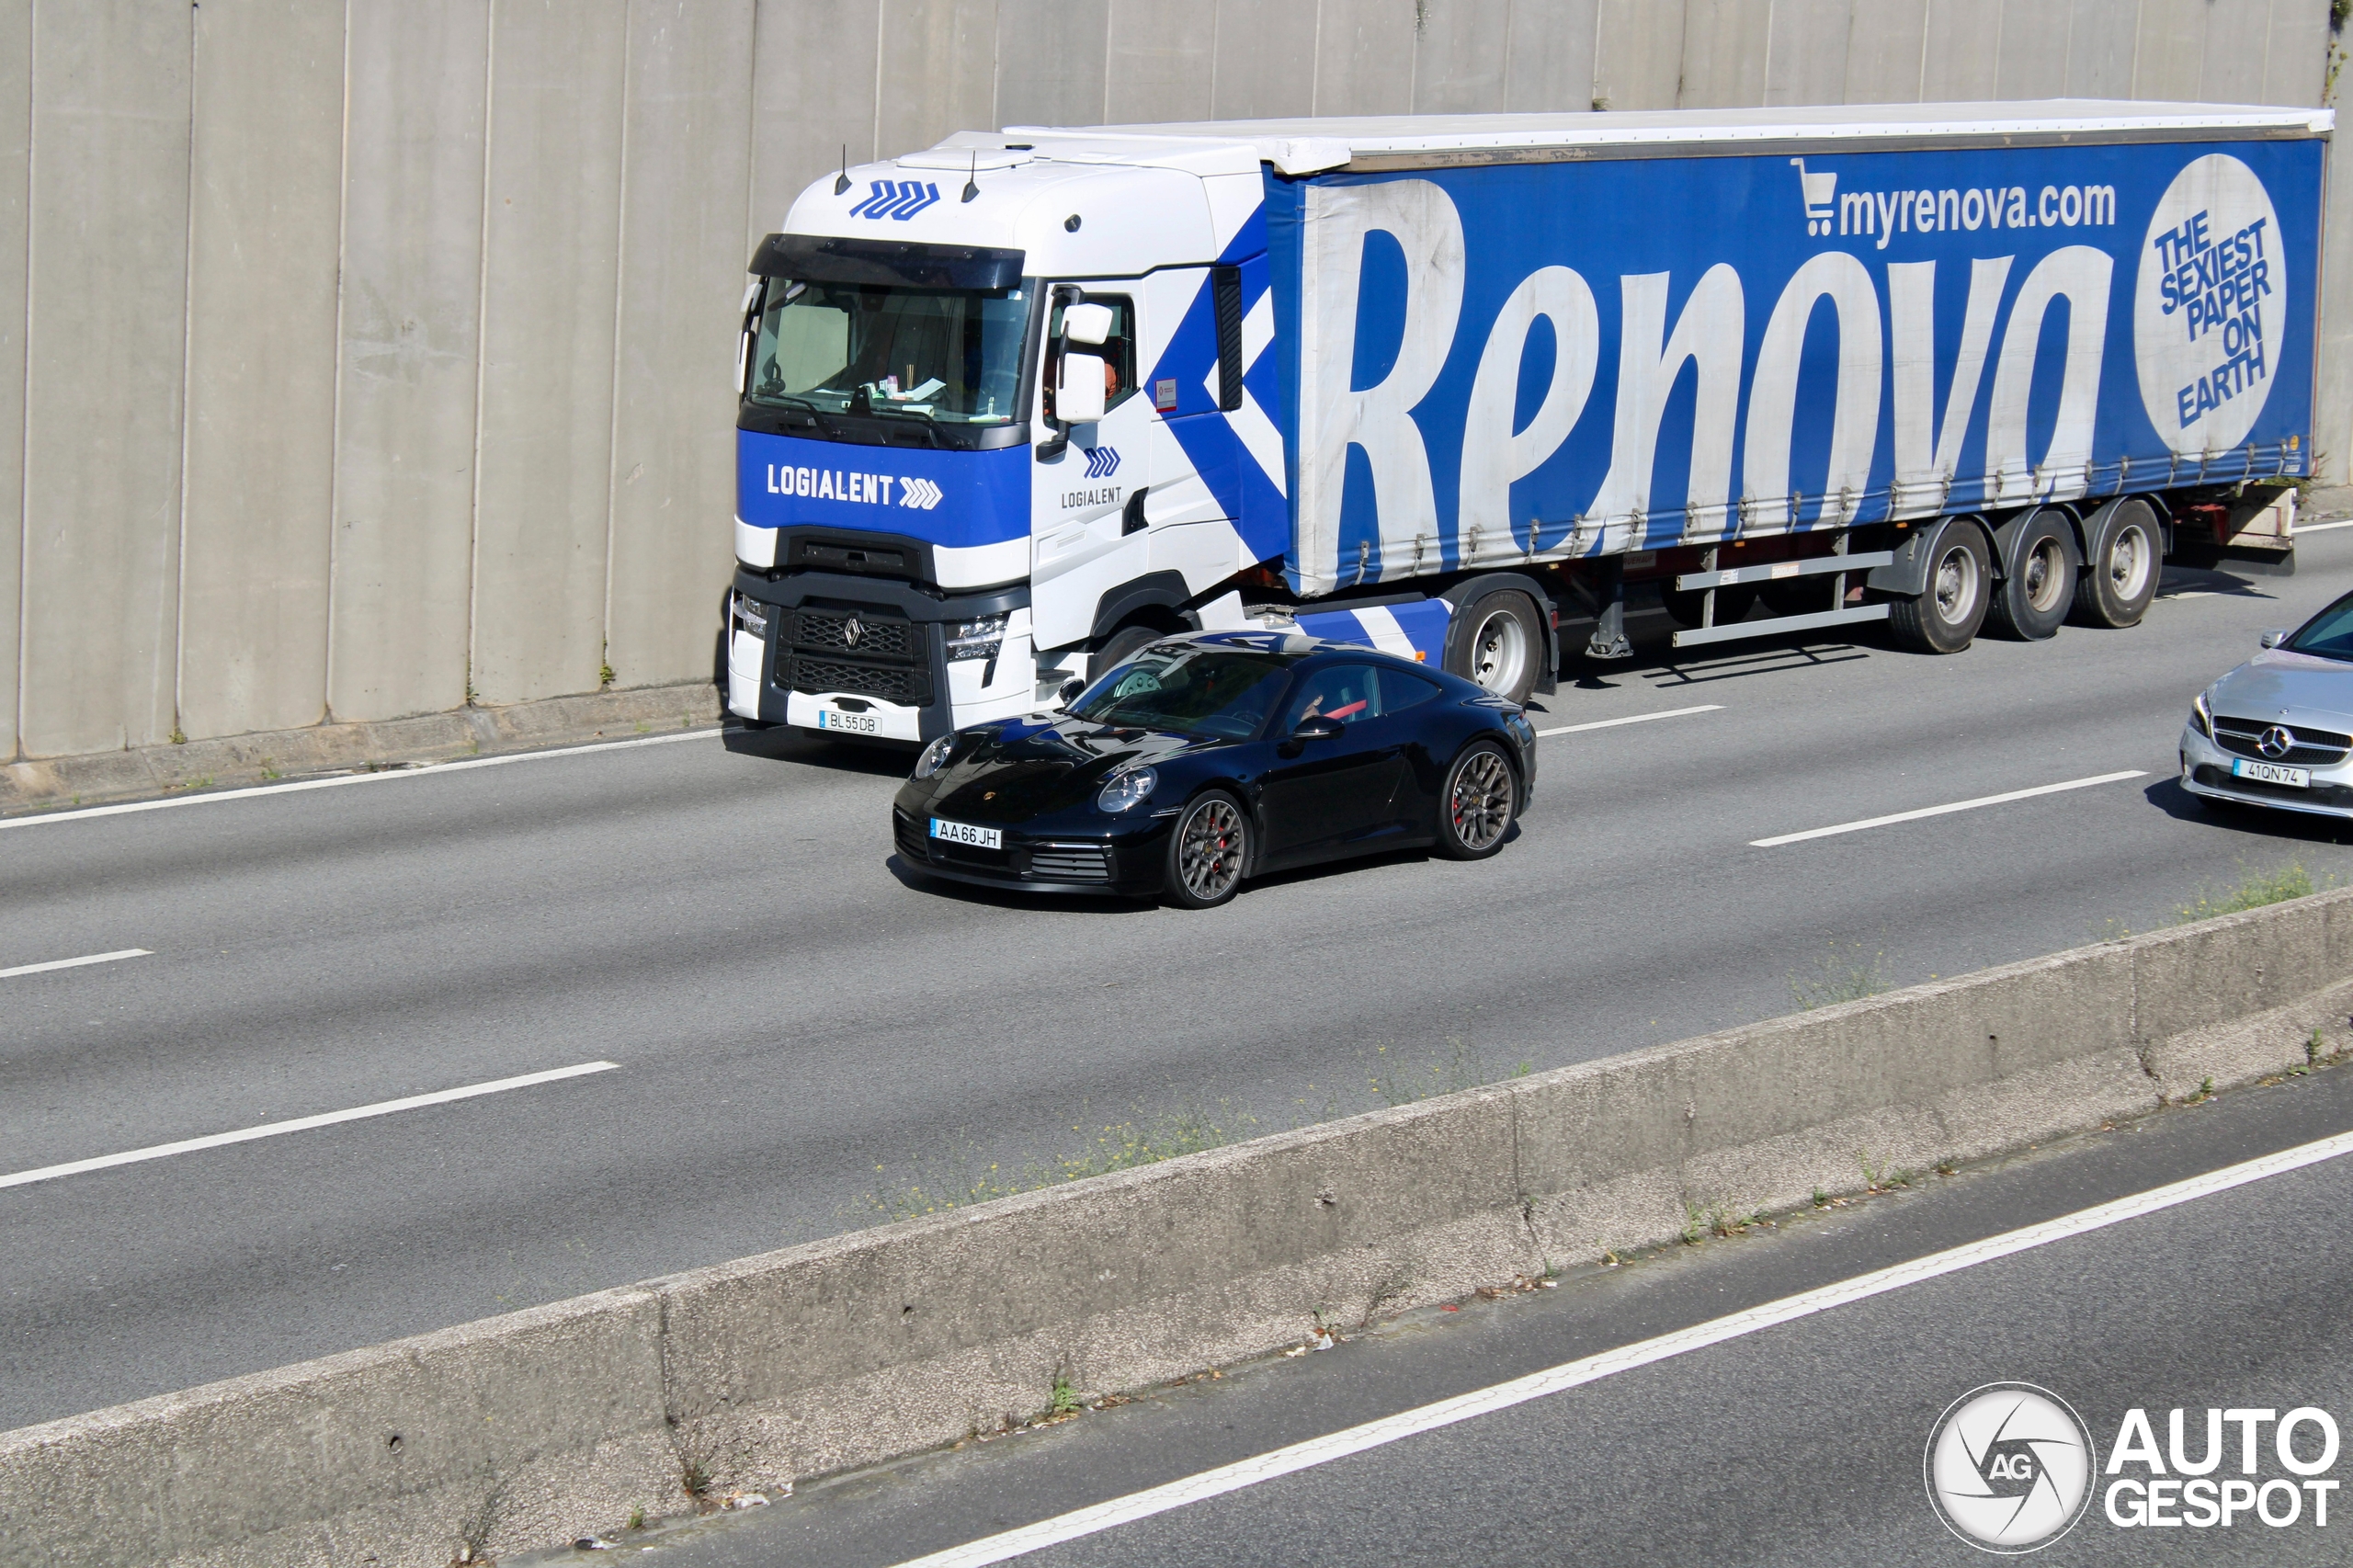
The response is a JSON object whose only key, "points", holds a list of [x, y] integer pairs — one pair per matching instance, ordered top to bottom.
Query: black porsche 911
{"points": [[1207, 758]]}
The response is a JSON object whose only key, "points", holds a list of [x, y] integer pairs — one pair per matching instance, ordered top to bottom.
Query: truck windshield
{"points": [[947, 355]]}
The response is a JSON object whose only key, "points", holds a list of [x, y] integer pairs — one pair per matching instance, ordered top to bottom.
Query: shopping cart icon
{"points": [[1820, 191]]}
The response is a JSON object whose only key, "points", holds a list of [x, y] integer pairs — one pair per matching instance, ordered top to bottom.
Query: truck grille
{"points": [[875, 640], [865, 651], [865, 681], [2313, 749], [1071, 863]]}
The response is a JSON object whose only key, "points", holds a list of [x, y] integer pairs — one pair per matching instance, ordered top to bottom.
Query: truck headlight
{"points": [[750, 616], [976, 639], [2201, 718], [934, 756], [1123, 790]]}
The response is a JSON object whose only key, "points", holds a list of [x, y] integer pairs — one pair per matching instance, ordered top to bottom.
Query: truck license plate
{"points": [[850, 723], [2272, 773], [963, 832]]}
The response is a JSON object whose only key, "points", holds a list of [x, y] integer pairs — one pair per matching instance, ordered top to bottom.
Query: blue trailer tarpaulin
{"points": [[1509, 360]]}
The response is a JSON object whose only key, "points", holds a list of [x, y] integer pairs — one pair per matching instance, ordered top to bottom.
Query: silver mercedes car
{"points": [[2278, 730]]}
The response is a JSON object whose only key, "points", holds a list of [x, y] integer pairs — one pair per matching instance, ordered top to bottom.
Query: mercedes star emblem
{"points": [[2277, 741]]}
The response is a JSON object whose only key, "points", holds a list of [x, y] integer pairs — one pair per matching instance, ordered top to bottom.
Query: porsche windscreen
{"points": [[1189, 689]]}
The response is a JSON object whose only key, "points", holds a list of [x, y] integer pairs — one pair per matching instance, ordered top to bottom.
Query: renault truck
{"points": [[1015, 405]]}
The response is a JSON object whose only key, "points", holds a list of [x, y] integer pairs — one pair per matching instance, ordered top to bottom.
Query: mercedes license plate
{"points": [[850, 723], [2272, 773], [964, 832]]}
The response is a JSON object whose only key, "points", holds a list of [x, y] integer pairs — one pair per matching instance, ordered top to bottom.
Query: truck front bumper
{"points": [[868, 657]]}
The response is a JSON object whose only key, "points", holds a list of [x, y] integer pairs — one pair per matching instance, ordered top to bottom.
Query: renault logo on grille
{"points": [[853, 628], [2277, 741]]}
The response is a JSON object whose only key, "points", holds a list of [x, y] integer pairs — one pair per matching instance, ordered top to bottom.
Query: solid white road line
{"points": [[2324, 527], [1632, 719], [291, 786], [1955, 806], [74, 964], [304, 1123], [1593, 1368]]}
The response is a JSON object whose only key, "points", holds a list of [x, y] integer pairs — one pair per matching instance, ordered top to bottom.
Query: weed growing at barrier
{"points": [[2254, 889], [1839, 977], [1464, 1068], [958, 1176], [1065, 1401]]}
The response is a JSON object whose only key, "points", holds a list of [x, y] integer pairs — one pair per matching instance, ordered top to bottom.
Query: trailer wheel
{"points": [[2119, 576], [2033, 600], [1944, 617], [1497, 644]]}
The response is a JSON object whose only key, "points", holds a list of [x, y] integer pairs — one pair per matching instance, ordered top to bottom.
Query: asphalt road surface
{"points": [[796, 1031], [1799, 1443]]}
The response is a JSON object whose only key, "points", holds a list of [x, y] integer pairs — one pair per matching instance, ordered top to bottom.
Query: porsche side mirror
{"points": [[2273, 639], [1070, 689], [1318, 728]]}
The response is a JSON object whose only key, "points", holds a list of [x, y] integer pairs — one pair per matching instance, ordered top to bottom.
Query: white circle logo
{"points": [[2210, 306], [2009, 1466]]}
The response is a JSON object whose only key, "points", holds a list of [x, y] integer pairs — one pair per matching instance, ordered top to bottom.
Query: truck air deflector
{"points": [[905, 263]]}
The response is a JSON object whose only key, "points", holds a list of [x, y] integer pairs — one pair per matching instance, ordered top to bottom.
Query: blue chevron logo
{"points": [[896, 198], [1102, 462]]}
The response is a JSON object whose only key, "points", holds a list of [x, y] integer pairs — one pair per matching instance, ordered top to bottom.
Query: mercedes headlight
{"points": [[750, 616], [976, 639], [2201, 718], [934, 756], [1126, 789]]}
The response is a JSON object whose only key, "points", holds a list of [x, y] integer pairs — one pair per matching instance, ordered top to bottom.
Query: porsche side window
{"points": [[1401, 690], [1344, 692]]}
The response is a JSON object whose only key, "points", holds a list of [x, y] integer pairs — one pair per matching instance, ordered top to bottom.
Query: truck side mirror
{"points": [[1089, 324], [1078, 398]]}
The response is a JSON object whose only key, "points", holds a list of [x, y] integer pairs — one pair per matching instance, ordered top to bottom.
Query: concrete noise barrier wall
{"points": [[528, 1429]]}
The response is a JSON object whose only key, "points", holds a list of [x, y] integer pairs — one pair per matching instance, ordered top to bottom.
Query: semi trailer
{"points": [[1013, 406]]}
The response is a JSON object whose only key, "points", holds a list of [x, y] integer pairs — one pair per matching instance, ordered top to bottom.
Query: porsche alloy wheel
{"points": [[1477, 809], [1207, 851]]}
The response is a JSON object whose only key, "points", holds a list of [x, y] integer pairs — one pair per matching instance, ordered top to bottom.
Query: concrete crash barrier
{"points": [[139, 772], [521, 1431]]}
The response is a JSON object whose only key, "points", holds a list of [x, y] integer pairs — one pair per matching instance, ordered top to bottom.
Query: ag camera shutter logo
{"points": [[2009, 1468]]}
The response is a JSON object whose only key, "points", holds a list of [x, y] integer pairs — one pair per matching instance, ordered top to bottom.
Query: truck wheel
{"points": [[2119, 576], [2034, 600], [1732, 605], [1943, 617], [1497, 644], [1118, 648], [1475, 809], [1207, 851]]}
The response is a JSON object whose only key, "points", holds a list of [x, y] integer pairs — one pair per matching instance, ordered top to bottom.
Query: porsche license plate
{"points": [[850, 723], [2272, 773], [964, 832]]}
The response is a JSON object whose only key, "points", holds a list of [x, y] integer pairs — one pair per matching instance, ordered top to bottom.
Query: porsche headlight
{"points": [[976, 639], [2201, 718], [934, 756], [1123, 790]]}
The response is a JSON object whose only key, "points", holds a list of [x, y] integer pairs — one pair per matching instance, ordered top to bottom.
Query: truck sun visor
{"points": [[839, 259]]}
